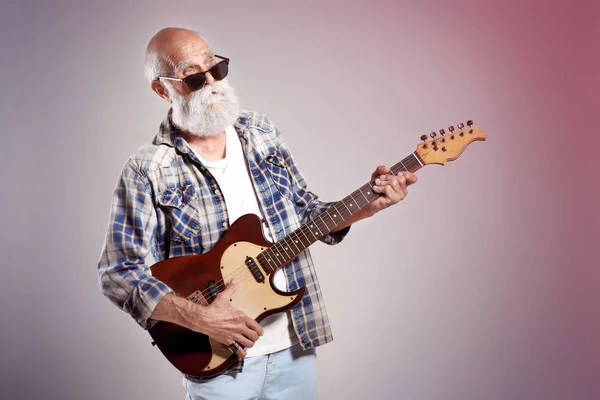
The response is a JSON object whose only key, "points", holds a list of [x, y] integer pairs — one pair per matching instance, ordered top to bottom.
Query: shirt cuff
{"points": [[144, 299]]}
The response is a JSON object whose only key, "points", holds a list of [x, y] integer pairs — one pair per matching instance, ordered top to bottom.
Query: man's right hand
{"points": [[222, 322]]}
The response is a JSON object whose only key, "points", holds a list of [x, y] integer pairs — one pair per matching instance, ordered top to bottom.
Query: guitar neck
{"points": [[282, 252]]}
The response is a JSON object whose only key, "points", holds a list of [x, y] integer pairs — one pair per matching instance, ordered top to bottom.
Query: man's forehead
{"points": [[190, 53], [195, 58]]}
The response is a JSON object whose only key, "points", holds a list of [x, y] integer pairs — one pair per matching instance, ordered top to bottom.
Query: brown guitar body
{"points": [[200, 278]]}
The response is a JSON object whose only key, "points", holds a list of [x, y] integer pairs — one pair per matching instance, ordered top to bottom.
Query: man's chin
{"points": [[216, 105]]}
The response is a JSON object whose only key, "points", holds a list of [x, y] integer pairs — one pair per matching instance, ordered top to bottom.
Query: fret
{"points": [[418, 160], [406, 169], [371, 195], [366, 198], [359, 200], [344, 204], [351, 206], [337, 214], [333, 223], [312, 226], [308, 241], [295, 242], [288, 247], [284, 248], [276, 254], [270, 258], [262, 260], [263, 263]]}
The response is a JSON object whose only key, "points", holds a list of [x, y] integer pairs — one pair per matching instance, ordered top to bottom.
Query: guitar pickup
{"points": [[254, 269]]}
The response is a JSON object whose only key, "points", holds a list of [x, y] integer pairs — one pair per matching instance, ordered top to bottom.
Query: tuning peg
{"points": [[470, 123], [461, 125], [451, 129], [442, 132], [432, 134], [423, 137]]}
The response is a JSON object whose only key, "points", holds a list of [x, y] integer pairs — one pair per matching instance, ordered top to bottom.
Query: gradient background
{"points": [[483, 284]]}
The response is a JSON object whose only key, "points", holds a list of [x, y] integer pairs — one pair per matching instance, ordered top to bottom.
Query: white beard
{"points": [[207, 111]]}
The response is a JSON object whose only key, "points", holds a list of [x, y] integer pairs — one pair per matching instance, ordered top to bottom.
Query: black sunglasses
{"points": [[196, 81]]}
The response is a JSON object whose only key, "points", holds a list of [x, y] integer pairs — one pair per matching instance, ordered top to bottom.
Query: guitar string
{"points": [[220, 284]]}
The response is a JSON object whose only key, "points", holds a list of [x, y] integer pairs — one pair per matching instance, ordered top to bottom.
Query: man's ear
{"points": [[161, 91]]}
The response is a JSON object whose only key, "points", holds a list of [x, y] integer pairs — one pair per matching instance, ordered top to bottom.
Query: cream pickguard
{"points": [[252, 297]]}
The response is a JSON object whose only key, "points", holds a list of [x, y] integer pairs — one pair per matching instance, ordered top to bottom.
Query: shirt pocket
{"points": [[279, 174], [180, 209]]}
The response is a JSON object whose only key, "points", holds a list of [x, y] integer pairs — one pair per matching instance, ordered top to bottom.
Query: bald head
{"points": [[172, 49]]}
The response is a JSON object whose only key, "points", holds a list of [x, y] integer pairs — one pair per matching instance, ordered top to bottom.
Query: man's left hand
{"points": [[393, 188]]}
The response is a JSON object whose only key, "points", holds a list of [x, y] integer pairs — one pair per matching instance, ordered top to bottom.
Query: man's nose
{"points": [[209, 78]]}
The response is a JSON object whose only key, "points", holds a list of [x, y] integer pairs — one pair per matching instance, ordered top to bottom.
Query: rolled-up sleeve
{"points": [[125, 278]]}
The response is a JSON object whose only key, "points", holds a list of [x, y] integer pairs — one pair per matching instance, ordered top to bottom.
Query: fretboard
{"points": [[282, 252]]}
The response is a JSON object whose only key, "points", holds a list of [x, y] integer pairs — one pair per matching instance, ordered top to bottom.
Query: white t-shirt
{"points": [[234, 182]]}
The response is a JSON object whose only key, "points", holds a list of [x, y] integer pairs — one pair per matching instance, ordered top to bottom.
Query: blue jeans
{"points": [[286, 374]]}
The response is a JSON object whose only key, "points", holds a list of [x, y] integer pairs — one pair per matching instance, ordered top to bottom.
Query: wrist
{"points": [[180, 311]]}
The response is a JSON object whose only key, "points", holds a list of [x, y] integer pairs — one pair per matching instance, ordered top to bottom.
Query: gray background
{"points": [[482, 284]]}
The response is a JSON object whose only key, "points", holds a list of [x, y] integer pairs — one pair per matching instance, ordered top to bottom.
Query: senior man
{"points": [[209, 164]]}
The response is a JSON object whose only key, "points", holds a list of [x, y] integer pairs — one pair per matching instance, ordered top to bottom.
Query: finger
{"points": [[380, 170], [409, 176], [382, 183], [396, 183], [399, 183], [402, 185], [379, 189], [383, 190], [391, 196], [229, 289], [255, 326], [250, 334], [243, 340], [237, 349], [240, 351]]}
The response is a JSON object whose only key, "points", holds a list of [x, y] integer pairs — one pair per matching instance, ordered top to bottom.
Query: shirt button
{"points": [[217, 191], [224, 224]]}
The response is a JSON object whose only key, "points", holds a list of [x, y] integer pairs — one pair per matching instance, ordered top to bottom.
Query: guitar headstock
{"points": [[449, 145]]}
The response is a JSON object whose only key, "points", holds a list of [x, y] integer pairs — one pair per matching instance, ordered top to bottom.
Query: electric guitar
{"points": [[243, 253]]}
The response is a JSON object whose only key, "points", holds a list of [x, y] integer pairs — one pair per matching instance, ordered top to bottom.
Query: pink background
{"points": [[482, 284]]}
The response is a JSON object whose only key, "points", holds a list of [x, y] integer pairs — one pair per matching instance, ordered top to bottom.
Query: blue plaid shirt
{"points": [[167, 204]]}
